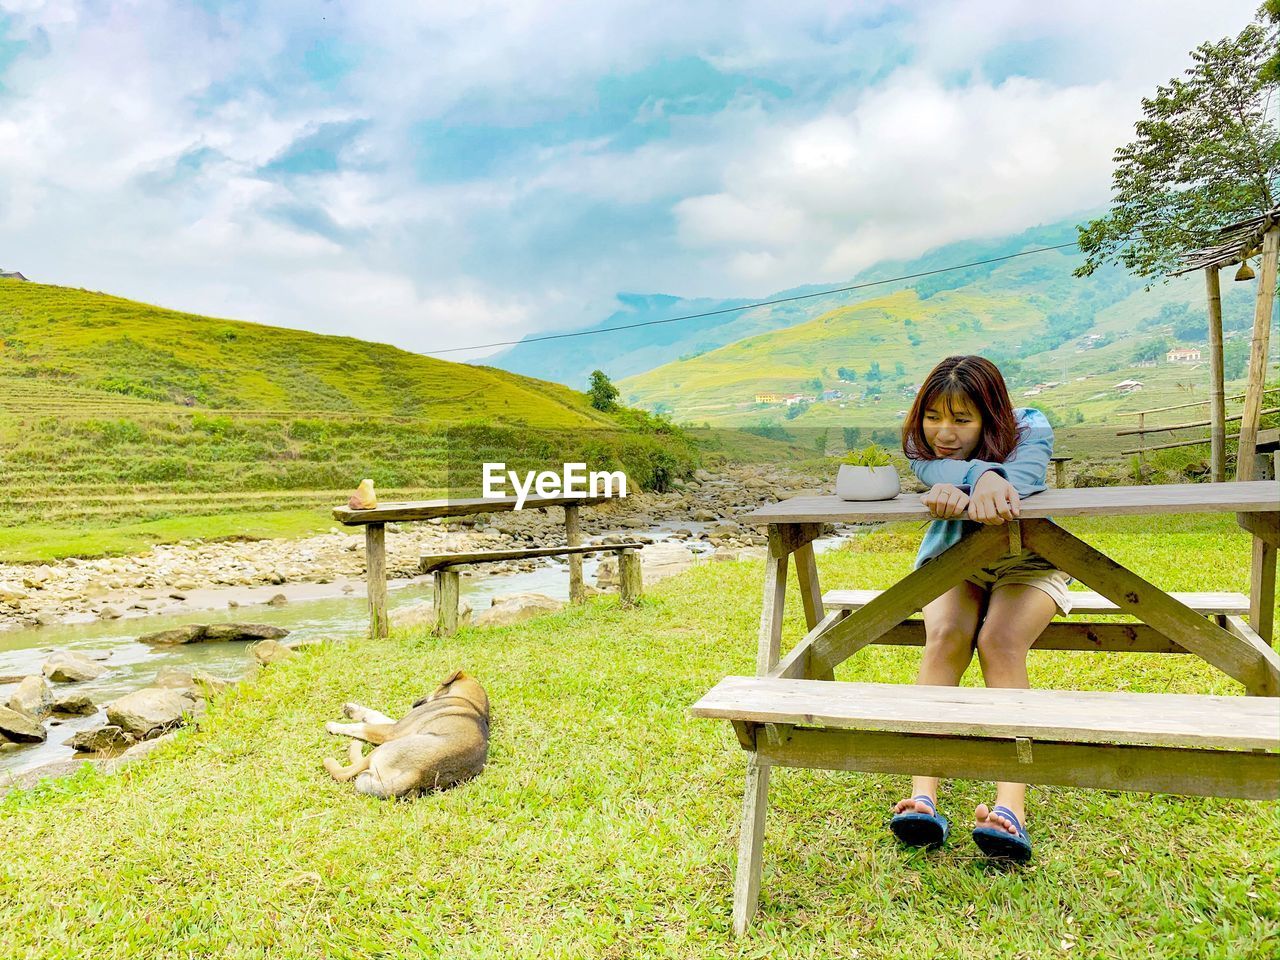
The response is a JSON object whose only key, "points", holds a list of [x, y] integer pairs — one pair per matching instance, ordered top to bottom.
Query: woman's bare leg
{"points": [[1016, 615], [950, 628]]}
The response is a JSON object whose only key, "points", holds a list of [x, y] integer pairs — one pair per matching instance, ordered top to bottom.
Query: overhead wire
{"points": [[751, 306]]}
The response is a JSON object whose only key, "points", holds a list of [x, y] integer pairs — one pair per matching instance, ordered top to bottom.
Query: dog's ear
{"points": [[456, 675]]}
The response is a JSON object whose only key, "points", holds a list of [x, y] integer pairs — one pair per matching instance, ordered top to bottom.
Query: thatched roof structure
{"points": [[1236, 241]]}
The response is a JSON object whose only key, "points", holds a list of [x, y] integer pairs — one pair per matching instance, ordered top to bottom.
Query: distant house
{"points": [[14, 275], [1089, 341], [1183, 355], [1145, 363], [1128, 386], [1034, 391], [829, 395], [767, 398], [795, 398]]}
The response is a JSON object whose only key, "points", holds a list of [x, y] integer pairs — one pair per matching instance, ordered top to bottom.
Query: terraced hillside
{"points": [[122, 423]]}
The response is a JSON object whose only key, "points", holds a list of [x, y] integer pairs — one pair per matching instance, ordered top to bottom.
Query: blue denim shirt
{"points": [[1025, 468]]}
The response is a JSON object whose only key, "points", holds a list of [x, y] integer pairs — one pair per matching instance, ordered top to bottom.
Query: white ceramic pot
{"points": [[867, 483]]}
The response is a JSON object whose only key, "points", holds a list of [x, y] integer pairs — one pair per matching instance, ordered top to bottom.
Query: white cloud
{"points": [[770, 191]]}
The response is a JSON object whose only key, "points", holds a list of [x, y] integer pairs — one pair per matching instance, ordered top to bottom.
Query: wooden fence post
{"points": [[1217, 395], [1142, 439], [1245, 461], [573, 537], [375, 563], [630, 583]]}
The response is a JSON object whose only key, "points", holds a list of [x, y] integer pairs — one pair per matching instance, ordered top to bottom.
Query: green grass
{"points": [[40, 543], [605, 824]]}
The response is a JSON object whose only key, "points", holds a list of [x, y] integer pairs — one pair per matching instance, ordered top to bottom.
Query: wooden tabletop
{"points": [[1253, 496], [430, 509]]}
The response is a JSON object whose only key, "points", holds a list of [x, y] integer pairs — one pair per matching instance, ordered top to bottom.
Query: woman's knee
{"points": [[949, 639], [996, 646]]}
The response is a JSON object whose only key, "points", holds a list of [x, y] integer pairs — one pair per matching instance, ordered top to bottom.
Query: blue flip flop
{"points": [[920, 829], [1000, 844]]}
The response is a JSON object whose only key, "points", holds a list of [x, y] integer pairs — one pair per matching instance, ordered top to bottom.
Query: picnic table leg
{"points": [[573, 537], [375, 556], [447, 585], [1262, 589], [755, 803]]}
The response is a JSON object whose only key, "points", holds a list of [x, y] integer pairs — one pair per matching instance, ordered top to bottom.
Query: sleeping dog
{"points": [[442, 741]]}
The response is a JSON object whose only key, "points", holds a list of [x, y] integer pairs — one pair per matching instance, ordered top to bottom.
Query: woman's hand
{"points": [[994, 500], [945, 501]]}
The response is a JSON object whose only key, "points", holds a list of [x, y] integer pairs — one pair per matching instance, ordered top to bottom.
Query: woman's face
{"points": [[953, 431]]}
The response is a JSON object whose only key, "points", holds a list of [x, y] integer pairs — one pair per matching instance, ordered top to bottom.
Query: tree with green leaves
{"points": [[1207, 153], [603, 394]]}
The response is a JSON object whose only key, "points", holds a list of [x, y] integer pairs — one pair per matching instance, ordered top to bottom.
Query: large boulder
{"points": [[661, 560], [516, 608], [424, 615], [244, 631], [203, 632], [267, 652], [67, 667], [33, 696], [150, 711], [20, 728], [100, 739]]}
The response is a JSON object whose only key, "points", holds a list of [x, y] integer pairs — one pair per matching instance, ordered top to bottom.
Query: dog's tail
{"points": [[359, 764]]}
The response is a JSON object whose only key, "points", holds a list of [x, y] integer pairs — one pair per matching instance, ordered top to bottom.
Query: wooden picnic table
{"points": [[375, 531], [783, 716]]}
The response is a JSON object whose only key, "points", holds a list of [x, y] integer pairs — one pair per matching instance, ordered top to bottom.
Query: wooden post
{"points": [[1217, 394], [1142, 438], [1245, 462], [1060, 474], [573, 537], [375, 564], [630, 584], [1262, 589], [446, 601]]}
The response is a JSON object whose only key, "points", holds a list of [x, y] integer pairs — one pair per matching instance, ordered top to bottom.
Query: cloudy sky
{"points": [[441, 174]]}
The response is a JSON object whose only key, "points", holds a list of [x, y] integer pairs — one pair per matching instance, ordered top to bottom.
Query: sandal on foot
{"points": [[920, 829], [1002, 845]]}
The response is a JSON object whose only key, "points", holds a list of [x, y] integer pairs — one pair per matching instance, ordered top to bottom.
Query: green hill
{"points": [[122, 423]]}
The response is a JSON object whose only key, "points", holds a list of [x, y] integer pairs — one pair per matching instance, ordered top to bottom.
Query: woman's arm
{"points": [[1026, 467]]}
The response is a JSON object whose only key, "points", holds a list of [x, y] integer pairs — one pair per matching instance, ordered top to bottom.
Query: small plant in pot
{"points": [[867, 474]]}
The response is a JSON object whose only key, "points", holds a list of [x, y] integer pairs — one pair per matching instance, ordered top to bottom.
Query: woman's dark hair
{"points": [[968, 380]]}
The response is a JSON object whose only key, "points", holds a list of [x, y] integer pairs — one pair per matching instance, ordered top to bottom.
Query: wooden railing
{"points": [[1142, 430]]}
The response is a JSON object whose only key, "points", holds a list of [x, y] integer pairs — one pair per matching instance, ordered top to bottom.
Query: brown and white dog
{"points": [[443, 740]]}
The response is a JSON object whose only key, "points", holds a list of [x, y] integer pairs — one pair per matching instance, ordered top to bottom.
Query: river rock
{"points": [[661, 560], [279, 600], [517, 607], [424, 614], [188, 633], [267, 652], [67, 667], [175, 678], [208, 685], [33, 696], [74, 703], [149, 711], [20, 728], [100, 739]]}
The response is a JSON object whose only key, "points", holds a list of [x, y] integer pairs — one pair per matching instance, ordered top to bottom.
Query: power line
{"points": [[750, 306]]}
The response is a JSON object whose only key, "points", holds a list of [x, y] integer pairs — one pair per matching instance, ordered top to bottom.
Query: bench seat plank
{"points": [[432, 562], [1082, 601], [1142, 719]]}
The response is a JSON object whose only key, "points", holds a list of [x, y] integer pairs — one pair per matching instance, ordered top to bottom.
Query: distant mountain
{"points": [[628, 352]]}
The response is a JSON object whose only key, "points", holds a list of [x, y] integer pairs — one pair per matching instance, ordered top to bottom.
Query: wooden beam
{"points": [[1217, 396], [1245, 465], [431, 509], [1264, 526], [573, 537], [787, 538], [432, 562], [375, 565], [807, 583], [1262, 588], [1136, 597], [1238, 628], [827, 650], [1252, 775]]}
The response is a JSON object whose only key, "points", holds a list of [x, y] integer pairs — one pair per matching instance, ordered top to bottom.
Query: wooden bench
{"points": [[443, 567], [1224, 607], [1188, 744]]}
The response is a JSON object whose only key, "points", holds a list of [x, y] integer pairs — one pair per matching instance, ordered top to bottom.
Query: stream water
{"points": [[133, 665]]}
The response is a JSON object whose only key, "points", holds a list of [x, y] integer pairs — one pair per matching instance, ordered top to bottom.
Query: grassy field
{"points": [[123, 423], [605, 824]]}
